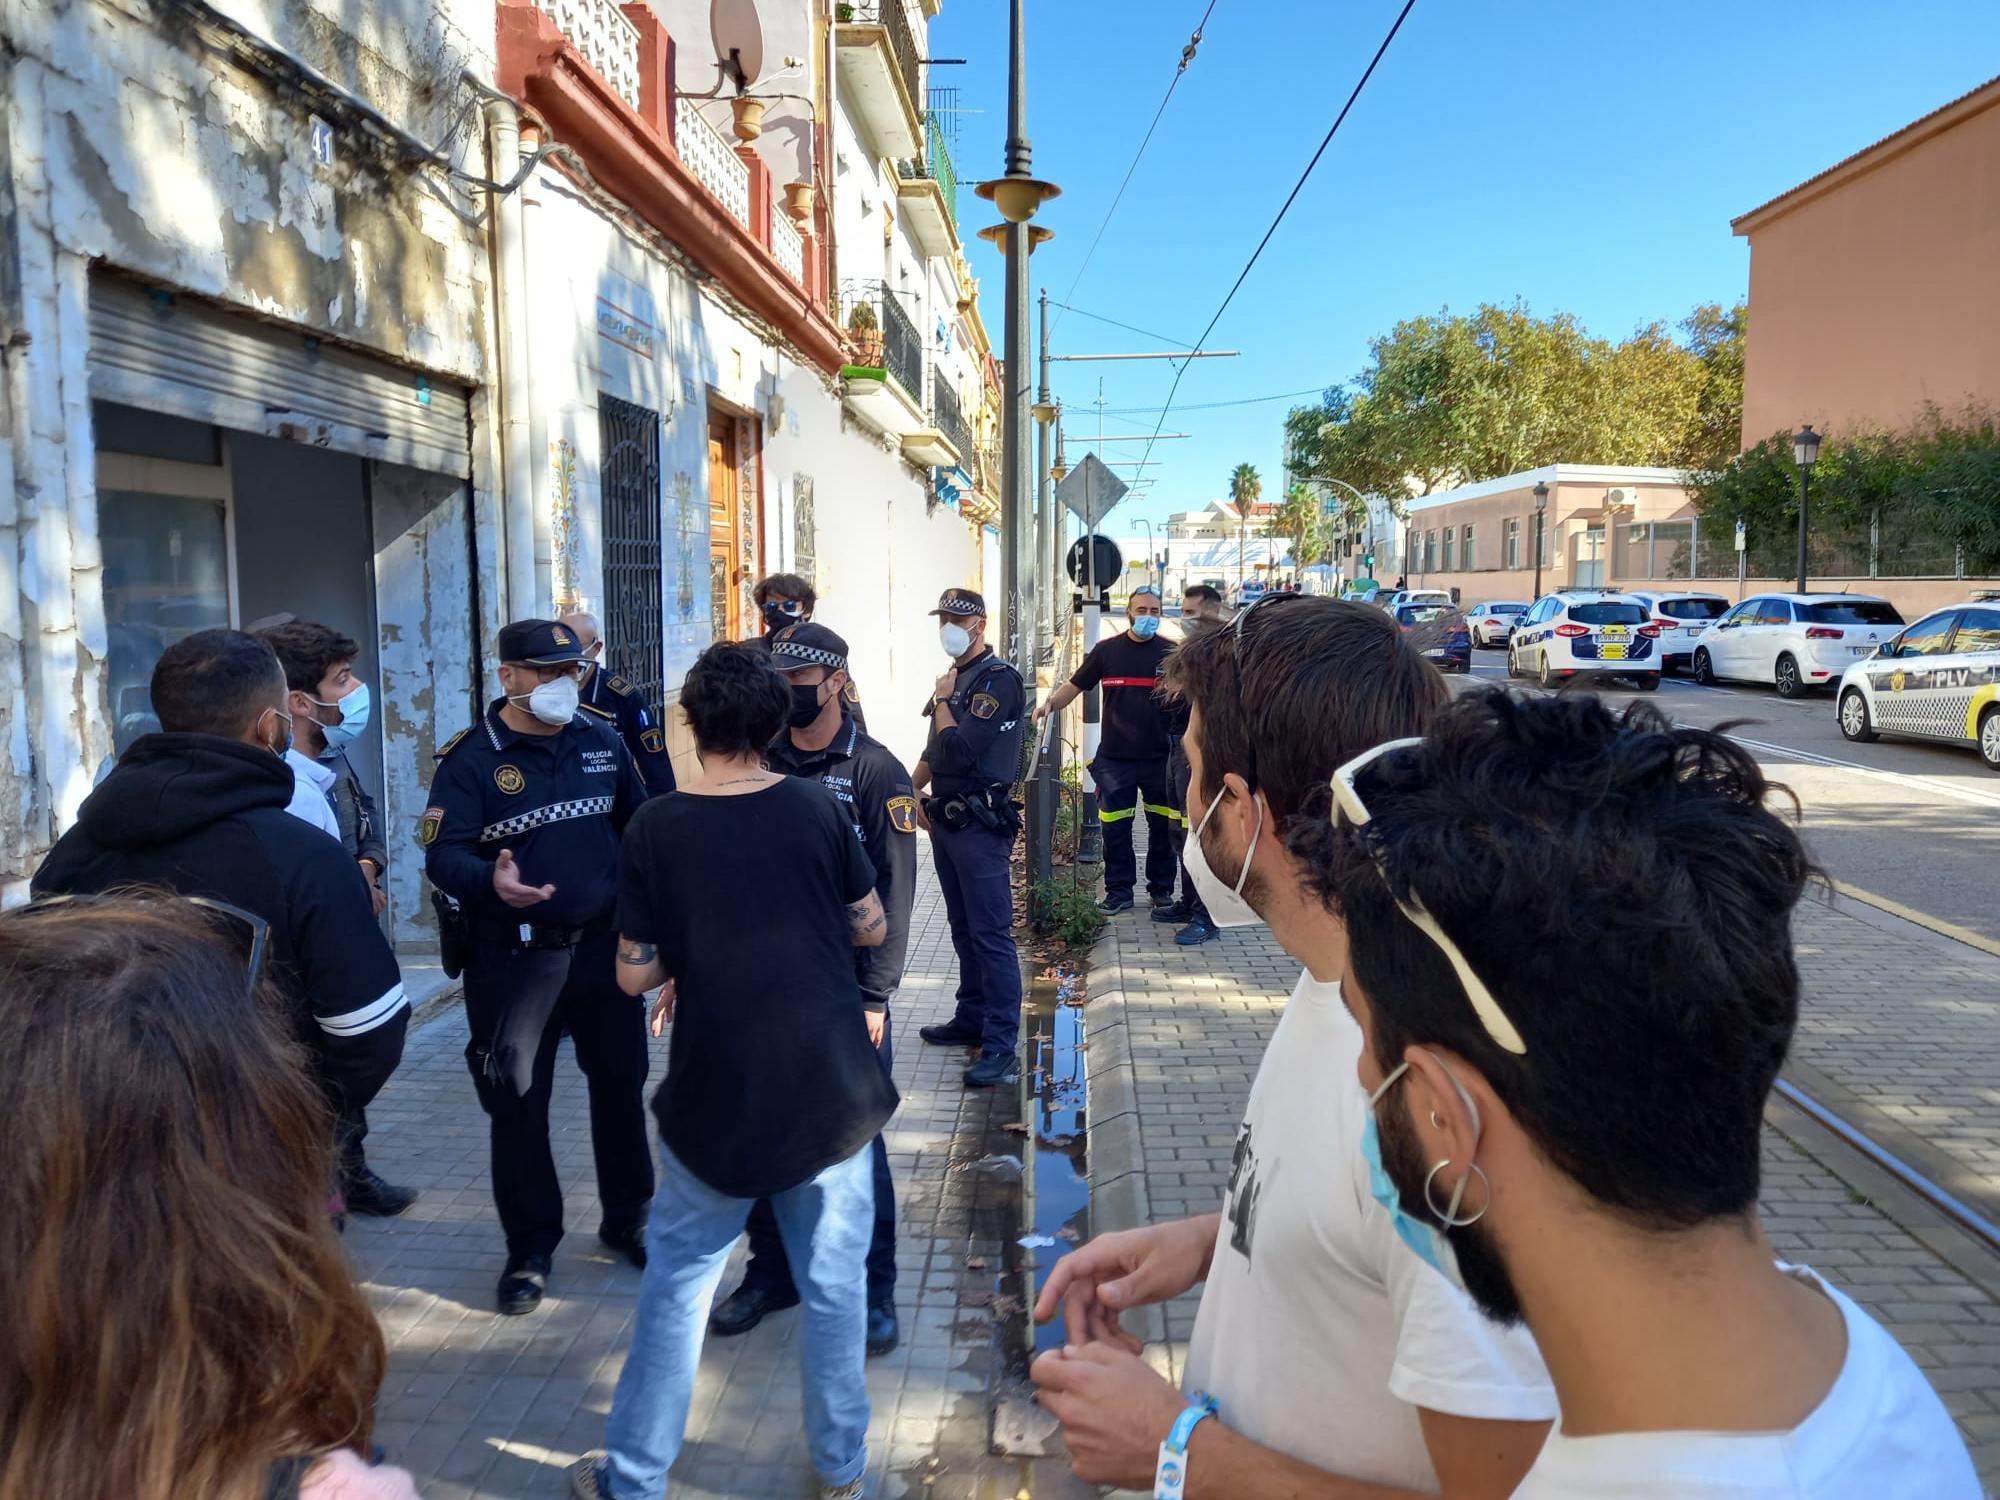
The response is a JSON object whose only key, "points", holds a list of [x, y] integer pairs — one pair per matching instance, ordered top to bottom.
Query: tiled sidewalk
{"points": [[1195, 1022], [481, 1405]]}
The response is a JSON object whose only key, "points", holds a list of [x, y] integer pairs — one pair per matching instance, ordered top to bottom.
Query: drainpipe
{"points": [[510, 285]]}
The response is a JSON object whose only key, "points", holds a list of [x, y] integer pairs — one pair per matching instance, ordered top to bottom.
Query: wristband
{"points": [[1170, 1477]]}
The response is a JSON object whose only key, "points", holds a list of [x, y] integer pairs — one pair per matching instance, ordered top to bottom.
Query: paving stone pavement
{"points": [[1903, 1020], [480, 1405]]}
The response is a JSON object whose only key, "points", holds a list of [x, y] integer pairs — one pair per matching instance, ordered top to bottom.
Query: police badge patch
{"points": [[984, 705], [653, 740], [509, 779], [903, 814], [433, 820]]}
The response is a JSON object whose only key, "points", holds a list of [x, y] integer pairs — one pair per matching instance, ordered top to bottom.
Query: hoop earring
{"points": [[1446, 1216]]}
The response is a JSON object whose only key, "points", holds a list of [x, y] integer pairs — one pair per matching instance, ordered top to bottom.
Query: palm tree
{"points": [[1244, 488], [1297, 520]]}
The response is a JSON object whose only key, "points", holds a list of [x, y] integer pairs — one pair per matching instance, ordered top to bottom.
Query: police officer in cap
{"points": [[604, 690], [823, 741], [970, 765], [521, 836]]}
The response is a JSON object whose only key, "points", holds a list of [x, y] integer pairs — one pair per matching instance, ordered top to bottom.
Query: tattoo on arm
{"points": [[860, 920], [638, 955]]}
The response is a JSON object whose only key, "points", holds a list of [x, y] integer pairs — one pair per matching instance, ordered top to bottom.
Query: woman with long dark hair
{"points": [[180, 1319]]}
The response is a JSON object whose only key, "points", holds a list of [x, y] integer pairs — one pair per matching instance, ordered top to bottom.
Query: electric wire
{"points": [[1187, 56], [1165, 338], [1181, 366]]}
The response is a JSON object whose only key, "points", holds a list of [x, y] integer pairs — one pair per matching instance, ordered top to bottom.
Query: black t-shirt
{"points": [[1134, 720], [772, 1078]]}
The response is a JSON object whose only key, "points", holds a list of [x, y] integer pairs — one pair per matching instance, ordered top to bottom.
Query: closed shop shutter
{"points": [[178, 355]]}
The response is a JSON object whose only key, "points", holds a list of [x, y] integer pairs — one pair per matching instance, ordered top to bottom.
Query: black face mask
{"points": [[777, 616], [805, 704]]}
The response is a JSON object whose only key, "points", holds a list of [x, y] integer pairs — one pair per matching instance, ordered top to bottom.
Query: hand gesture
{"points": [[947, 684], [510, 888], [663, 1008], [1097, 1281], [1115, 1409]]}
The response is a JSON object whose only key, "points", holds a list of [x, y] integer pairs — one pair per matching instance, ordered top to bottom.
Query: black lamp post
{"points": [[1805, 453], [1541, 510]]}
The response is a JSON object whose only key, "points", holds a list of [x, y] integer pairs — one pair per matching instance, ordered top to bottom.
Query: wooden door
{"points": [[724, 515]]}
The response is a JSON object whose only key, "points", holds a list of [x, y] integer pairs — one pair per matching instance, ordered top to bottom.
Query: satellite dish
{"points": [[739, 40]]}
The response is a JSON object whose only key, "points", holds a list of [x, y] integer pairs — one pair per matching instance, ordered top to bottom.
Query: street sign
{"points": [[1090, 490], [1739, 536], [1109, 561]]}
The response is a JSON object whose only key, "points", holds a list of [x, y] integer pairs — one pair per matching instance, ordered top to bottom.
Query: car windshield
{"points": [[1506, 609], [1692, 609], [1607, 612], [1850, 612], [1422, 614]]}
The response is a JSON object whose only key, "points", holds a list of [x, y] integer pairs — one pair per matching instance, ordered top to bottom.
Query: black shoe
{"points": [[1162, 903], [1112, 905], [1172, 911], [1195, 933], [950, 1034], [994, 1068], [368, 1194], [630, 1243], [522, 1284], [746, 1307], [883, 1334]]}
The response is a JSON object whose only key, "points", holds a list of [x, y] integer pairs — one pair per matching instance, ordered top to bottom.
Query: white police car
{"points": [[1586, 630], [1938, 680]]}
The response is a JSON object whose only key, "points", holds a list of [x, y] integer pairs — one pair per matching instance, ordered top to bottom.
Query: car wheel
{"points": [[1513, 666], [1704, 669], [1547, 678], [1647, 682], [1790, 684], [1854, 718], [1989, 739]]}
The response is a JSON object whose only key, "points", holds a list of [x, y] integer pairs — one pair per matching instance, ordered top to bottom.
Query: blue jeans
{"points": [[825, 1224]]}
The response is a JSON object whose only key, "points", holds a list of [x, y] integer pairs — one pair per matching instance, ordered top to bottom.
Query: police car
{"points": [[1586, 630], [1938, 680]]}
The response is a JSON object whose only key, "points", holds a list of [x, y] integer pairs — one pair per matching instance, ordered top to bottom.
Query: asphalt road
{"points": [[1916, 823]]}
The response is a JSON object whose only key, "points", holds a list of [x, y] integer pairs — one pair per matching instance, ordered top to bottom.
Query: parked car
{"points": [[1246, 595], [1395, 599], [1683, 618], [1492, 622], [1575, 631], [1440, 632], [1794, 641], [1938, 680]]}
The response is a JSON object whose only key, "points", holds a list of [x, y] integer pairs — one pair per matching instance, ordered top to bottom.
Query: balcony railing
{"points": [[893, 17], [607, 40], [709, 157], [786, 245], [893, 344], [947, 416]]}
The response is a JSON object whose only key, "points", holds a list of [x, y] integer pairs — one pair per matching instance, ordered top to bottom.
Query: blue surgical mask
{"points": [[1146, 627], [353, 721], [1428, 1241]]}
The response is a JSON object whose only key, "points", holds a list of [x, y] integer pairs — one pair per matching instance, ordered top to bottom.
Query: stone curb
{"points": [[430, 1008]]}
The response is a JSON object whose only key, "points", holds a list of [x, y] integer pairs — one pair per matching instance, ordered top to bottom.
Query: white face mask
{"points": [[956, 640], [554, 701], [1226, 906]]}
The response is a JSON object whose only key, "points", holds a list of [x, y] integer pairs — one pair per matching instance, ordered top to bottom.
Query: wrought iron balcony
{"points": [[892, 16], [884, 336], [948, 416]]}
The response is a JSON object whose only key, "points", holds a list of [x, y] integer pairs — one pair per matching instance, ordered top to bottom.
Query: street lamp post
{"points": [[1805, 453], [1541, 511]]}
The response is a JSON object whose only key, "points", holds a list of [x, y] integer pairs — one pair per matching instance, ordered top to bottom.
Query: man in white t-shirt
{"points": [[311, 782], [1572, 961], [1340, 1366]]}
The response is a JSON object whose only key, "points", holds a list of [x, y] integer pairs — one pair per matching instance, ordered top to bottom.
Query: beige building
{"points": [[1872, 286]]}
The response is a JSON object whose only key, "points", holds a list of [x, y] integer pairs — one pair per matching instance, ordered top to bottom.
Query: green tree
{"points": [[1715, 337], [1245, 488], [1297, 520]]}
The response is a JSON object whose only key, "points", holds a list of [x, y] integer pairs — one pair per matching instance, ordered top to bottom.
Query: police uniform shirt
{"points": [[1136, 724], [646, 740], [982, 748], [874, 791], [558, 801]]}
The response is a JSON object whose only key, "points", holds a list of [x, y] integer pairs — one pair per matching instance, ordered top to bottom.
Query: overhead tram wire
{"points": [[1187, 56], [1285, 208], [1165, 338], [1147, 411]]}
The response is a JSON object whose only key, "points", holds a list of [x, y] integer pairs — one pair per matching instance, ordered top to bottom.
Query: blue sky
{"points": [[1586, 155]]}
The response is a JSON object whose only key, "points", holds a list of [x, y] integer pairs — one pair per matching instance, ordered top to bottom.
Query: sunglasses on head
{"points": [[1348, 804]]}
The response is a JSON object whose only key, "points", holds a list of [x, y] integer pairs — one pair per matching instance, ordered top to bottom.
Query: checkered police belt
{"points": [[814, 655], [555, 812]]}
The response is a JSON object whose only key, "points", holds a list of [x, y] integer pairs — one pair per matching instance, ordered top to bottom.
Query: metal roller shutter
{"points": [[178, 355]]}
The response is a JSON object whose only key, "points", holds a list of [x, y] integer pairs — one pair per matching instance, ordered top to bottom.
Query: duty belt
{"points": [[534, 935]]}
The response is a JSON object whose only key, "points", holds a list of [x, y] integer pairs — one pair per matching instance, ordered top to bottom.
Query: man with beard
{"points": [[1201, 611], [1571, 1132], [1333, 1363]]}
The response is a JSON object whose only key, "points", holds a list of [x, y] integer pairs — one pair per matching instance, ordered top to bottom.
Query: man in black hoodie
{"points": [[199, 809]]}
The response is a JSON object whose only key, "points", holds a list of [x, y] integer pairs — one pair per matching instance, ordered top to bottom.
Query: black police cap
{"points": [[961, 604], [539, 643], [808, 644]]}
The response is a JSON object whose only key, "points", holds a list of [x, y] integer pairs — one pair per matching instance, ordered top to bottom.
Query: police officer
{"points": [[785, 600], [604, 690], [824, 742], [970, 765], [522, 836]]}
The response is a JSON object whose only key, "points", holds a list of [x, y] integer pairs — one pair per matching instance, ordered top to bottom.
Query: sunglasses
{"points": [[1348, 804], [244, 932]]}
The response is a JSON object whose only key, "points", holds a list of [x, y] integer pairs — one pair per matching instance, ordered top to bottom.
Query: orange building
{"points": [[1873, 286]]}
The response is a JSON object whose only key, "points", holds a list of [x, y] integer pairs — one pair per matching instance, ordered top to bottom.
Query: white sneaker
{"points": [[584, 1476], [843, 1491]]}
